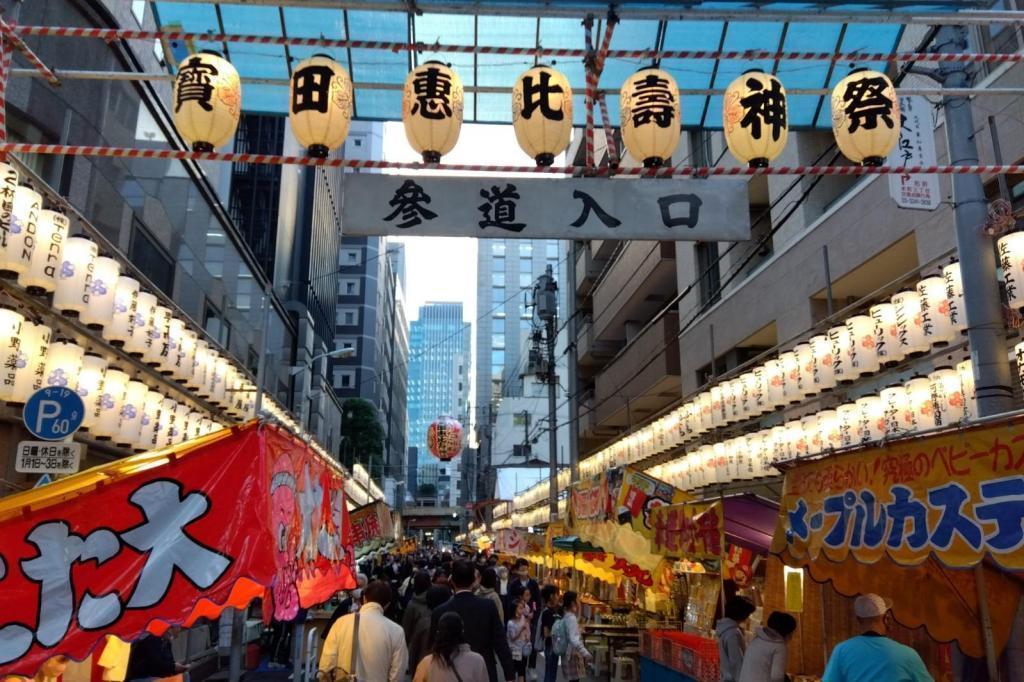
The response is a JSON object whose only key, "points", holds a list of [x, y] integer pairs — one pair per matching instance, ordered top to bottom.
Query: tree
{"points": [[362, 435], [427, 490]]}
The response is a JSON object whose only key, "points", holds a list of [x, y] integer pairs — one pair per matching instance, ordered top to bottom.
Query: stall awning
{"points": [[750, 522], [166, 537], [572, 543]]}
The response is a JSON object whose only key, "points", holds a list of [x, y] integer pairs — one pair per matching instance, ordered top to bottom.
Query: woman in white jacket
{"points": [[576, 656], [765, 660]]}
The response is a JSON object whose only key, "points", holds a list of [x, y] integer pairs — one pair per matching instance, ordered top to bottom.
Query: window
{"points": [[498, 247], [551, 248], [526, 249], [147, 254], [349, 257], [526, 265], [707, 270], [498, 278], [525, 280], [348, 287], [498, 295], [348, 316], [215, 325], [498, 325], [497, 340], [346, 342], [497, 361], [344, 378]]}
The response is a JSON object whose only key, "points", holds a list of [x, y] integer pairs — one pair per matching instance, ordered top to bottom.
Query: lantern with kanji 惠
{"points": [[206, 101], [432, 103], [649, 104], [320, 109], [542, 113], [865, 117], [754, 118], [444, 438]]}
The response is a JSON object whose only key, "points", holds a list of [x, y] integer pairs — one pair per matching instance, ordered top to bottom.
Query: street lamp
{"points": [[336, 353]]}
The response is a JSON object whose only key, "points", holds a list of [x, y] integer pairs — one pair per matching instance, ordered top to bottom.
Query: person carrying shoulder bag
{"points": [[366, 646]]}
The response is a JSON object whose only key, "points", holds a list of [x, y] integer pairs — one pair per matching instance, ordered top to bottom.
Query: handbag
{"points": [[353, 658]]}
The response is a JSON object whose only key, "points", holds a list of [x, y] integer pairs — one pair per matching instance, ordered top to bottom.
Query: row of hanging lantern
{"points": [[865, 111], [909, 324], [540, 492], [537, 516]]}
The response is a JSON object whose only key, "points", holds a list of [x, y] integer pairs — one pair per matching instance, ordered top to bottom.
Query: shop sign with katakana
{"points": [[916, 147], [546, 208]]}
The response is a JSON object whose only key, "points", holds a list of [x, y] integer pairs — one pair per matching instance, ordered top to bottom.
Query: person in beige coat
{"points": [[489, 590], [451, 659]]}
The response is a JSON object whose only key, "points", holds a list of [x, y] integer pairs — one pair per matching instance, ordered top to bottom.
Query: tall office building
{"points": [[439, 359]]}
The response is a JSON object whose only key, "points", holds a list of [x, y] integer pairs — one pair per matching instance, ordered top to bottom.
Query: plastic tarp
{"points": [[166, 537]]}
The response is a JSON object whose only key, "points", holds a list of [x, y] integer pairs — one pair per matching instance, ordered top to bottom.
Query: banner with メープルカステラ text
{"points": [[956, 495]]}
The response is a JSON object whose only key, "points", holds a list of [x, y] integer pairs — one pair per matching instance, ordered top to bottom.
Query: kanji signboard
{"points": [[916, 147], [551, 208], [46, 457]]}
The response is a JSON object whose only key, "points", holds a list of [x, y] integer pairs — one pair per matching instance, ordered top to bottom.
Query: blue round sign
{"points": [[53, 413]]}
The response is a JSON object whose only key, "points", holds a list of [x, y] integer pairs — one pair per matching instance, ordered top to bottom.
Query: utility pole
{"points": [[546, 300], [391, 362], [573, 432]]}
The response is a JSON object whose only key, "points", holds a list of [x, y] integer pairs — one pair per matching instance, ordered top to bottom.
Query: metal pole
{"points": [[978, 265], [711, 341], [391, 365], [261, 366], [552, 422], [573, 432], [235, 657]]}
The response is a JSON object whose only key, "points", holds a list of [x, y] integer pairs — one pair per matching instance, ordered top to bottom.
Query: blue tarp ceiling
{"points": [[442, 25]]}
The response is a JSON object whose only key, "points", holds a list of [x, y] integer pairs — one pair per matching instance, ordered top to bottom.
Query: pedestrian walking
{"points": [[489, 590], [548, 615], [417, 617], [520, 642], [567, 642], [732, 643], [366, 645], [765, 658], [451, 659]]}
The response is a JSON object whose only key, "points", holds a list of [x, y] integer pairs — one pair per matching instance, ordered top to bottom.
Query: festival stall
{"points": [[167, 537]]}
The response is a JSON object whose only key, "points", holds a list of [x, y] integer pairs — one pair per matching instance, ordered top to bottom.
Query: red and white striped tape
{"points": [[9, 30], [109, 34], [6, 51], [589, 63], [609, 132], [699, 171]]}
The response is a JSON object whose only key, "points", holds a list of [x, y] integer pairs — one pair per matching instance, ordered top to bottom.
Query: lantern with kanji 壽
{"points": [[206, 100], [432, 103], [649, 104], [320, 109], [542, 113], [865, 117], [754, 118], [444, 438]]}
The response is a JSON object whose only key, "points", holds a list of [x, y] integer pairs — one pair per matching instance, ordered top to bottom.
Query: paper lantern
{"points": [[207, 100], [432, 103], [649, 104], [320, 108], [542, 113], [865, 117], [754, 118], [8, 182], [20, 237], [1011, 258], [44, 263], [74, 281], [126, 294], [955, 295], [100, 308], [935, 311], [11, 322], [141, 324], [909, 325], [887, 334], [171, 342], [155, 344], [863, 347], [842, 350], [28, 358], [63, 363], [181, 365], [790, 365], [805, 368], [966, 371], [823, 374], [775, 378], [218, 379], [197, 382], [89, 385], [743, 390], [753, 390], [948, 396], [706, 403], [922, 403], [735, 404], [717, 406], [107, 409], [898, 411], [131, 413], [872, 418], [693, 421], [848, 421], [150, 422], [193, 425], [179, 427], [165, 430], [828, 430], [811, 435], [779, 436], [444, 438], [796, 440], [744, 452], [756, 454], [720, 463]]}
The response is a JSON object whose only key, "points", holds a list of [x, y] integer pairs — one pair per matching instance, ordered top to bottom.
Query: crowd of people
{"points": [[453, 618]]}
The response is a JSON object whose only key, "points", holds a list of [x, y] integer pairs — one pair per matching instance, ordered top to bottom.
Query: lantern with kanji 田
{"points": [[206, 100], [432, 104], [649, 104], [320, 109], [542, 113], [865, 117], [754, 118], [444, 438]]}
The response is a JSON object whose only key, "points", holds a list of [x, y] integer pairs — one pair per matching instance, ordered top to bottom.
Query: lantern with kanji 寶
{"points": [[206, 101], [432, 103], [649, 104], [320, 109], [542, 113], [865, 117], [754, 118], [444, 438]]}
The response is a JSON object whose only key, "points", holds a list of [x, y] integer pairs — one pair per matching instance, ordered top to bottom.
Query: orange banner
{"points": [[957, 496], [688, 530]]}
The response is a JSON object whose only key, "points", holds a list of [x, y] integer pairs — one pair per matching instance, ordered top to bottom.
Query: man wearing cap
{"points": [[871, 656]]}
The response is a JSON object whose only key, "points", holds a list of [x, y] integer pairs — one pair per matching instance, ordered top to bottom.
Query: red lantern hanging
{"points": [[444, 438]]}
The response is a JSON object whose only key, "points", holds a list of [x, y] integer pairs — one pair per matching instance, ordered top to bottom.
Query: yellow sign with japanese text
{"points": [[639, 495], [956, 495], [688, 530]]}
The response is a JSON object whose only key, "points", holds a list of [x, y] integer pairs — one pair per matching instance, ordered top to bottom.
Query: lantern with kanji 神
{"points": [[206, 100], [432, 103], [649, 104], [320, 109], [542, 113], [865, 117], [754, 118], [444, 438]]}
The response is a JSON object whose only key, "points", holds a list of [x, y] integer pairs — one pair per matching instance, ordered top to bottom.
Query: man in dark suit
{"points": [[485, 633]]}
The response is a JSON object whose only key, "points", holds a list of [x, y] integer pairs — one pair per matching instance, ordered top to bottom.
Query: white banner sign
{"points": [[915, 148], [549, 208], [47, 457]]}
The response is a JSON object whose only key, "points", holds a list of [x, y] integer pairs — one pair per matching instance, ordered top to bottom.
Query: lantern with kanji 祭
{"points": [[206, 100], [432, 103], [320, 109], [542, 113], [651, 115], [865, 117], [754, 118], [444, 438]]}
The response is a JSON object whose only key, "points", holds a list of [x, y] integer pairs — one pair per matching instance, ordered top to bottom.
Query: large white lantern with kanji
{"points": [[206, 100], [432, 104], [320, 109], [542, 113], [651, 115], [865, 117], [754, 118], [20, 236], [1011, 258], [44, 263], [74, 281], [126, 294], [955, 295], [100, 308], [936, 317], [909, 324], [887, 334], [863, 347], [842, 349], [29, 360], [63, 363], [822, 372], [89, 385], [948, 394], [922, 403], [131, 413], [444, 438]]}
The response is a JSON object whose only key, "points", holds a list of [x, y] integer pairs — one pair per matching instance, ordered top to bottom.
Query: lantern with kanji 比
{"points": [[542, 113]]}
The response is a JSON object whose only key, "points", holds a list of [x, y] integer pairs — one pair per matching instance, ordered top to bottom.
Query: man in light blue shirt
{"points": [[871, 656]]}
